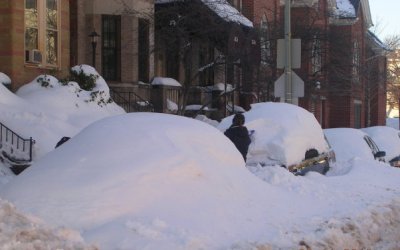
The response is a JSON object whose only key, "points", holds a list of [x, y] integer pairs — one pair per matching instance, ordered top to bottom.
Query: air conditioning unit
{"points": [[33, 56]]}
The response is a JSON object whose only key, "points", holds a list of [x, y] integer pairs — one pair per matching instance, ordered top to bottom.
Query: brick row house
{"points": [[223, 53], [343, 65]]}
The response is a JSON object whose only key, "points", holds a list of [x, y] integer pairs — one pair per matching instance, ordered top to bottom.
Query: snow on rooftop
{"points": [[222, 8], [345, 9]]}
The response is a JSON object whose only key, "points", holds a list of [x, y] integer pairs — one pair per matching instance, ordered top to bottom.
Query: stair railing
{"points": [[130, 101], [14, 147]]}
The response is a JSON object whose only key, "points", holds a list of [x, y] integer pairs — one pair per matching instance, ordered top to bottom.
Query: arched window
{"points": [[265, 43], [316, 55], [356, 61]]}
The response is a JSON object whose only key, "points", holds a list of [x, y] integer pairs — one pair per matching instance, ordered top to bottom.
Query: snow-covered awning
{"points": [[220, 7]]}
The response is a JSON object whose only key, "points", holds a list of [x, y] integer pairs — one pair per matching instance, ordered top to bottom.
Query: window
{"points": [[42, 23], [111, 43], [265, 44], [144, 49], [316, 55], [206, 58], [356, 61]]}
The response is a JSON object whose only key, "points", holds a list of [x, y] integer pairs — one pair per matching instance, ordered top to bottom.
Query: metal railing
{"points": [[173, 94], [130, 101], [14, 147]]}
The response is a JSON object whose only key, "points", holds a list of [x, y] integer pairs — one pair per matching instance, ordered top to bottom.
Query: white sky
{"points": [[385, 13], [158, 181]]}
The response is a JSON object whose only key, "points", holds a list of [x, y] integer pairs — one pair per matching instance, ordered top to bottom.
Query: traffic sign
{"points": [[296, 54], [297, 86]]}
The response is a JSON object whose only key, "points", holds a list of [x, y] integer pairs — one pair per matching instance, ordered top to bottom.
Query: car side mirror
{"points": [[380, 154]]}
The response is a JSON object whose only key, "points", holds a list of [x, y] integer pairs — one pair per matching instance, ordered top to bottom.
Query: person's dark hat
{"points": [[238, 119]]}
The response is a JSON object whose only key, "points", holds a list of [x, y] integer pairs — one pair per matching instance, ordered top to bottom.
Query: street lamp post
{"points": [[93, 36]]}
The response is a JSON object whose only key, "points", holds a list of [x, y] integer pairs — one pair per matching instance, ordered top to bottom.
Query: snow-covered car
{"points": [[285, 135], [388, 140], [350, 143]]}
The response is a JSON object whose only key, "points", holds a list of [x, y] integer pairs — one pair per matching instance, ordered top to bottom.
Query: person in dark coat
{"points": [[239, 134]]}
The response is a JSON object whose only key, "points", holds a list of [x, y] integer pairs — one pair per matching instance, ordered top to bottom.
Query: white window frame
{"points": [[42, 30]]}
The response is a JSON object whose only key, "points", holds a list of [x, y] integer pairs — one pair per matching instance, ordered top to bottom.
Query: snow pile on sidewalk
{"points": [[46, 109], [183, 185], [21, 232]]}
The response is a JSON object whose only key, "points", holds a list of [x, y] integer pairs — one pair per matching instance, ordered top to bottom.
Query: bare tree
{"points": [[393, 74]]}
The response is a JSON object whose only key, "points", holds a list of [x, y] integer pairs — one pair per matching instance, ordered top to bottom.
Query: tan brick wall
{"points": [[89, 16], [12, 48], [129, 49]]}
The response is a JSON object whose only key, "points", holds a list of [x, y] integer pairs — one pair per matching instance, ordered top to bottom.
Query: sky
{"points": [[385, 13], [160, 181]]}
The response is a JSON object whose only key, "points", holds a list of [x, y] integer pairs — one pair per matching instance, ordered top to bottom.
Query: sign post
{"points": [[289, 86]]}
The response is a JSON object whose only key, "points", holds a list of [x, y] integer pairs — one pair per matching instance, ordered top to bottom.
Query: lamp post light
{"points": [[93, 36]]}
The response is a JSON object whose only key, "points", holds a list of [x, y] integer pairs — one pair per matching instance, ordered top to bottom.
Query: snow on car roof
{"points": [[283, 133], [387, 139], [348, 143]]}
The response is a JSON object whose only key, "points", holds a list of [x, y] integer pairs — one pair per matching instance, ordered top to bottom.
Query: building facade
{"points": [[35, 39], [224, 60]]}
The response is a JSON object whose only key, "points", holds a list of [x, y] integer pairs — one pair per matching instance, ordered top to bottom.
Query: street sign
{"points": [[296, 54], [297, 86]]}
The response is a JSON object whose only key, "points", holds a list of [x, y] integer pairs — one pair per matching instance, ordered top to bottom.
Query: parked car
{"points": [[285, 135], [388, 139], [349, 143]]}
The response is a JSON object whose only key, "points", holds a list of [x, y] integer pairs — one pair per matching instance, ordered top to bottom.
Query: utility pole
{"points": [[288, 54], [289, 86]]}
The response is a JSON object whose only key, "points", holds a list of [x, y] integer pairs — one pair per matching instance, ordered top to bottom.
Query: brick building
{"points": [[35, 39], [342, 63], [343, 66]]}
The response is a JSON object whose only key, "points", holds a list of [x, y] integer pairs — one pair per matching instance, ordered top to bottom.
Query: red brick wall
{"points": [[255, 9]]}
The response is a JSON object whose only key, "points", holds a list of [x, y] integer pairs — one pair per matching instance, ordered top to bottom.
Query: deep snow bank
{"points": [[145, 180], [19, 232]]}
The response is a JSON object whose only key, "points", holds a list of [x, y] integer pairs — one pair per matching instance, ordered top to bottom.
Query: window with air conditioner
{"points": [[42, 22]]}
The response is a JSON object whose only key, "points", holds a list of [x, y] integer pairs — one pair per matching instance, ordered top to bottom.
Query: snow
{"points": [[222, 8], [345, 9], [4, 79], [165, 81], [222, 86], [48, 113], [392, 122], [280, 139], [387, 139], [348, 144], [158, 181]]}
